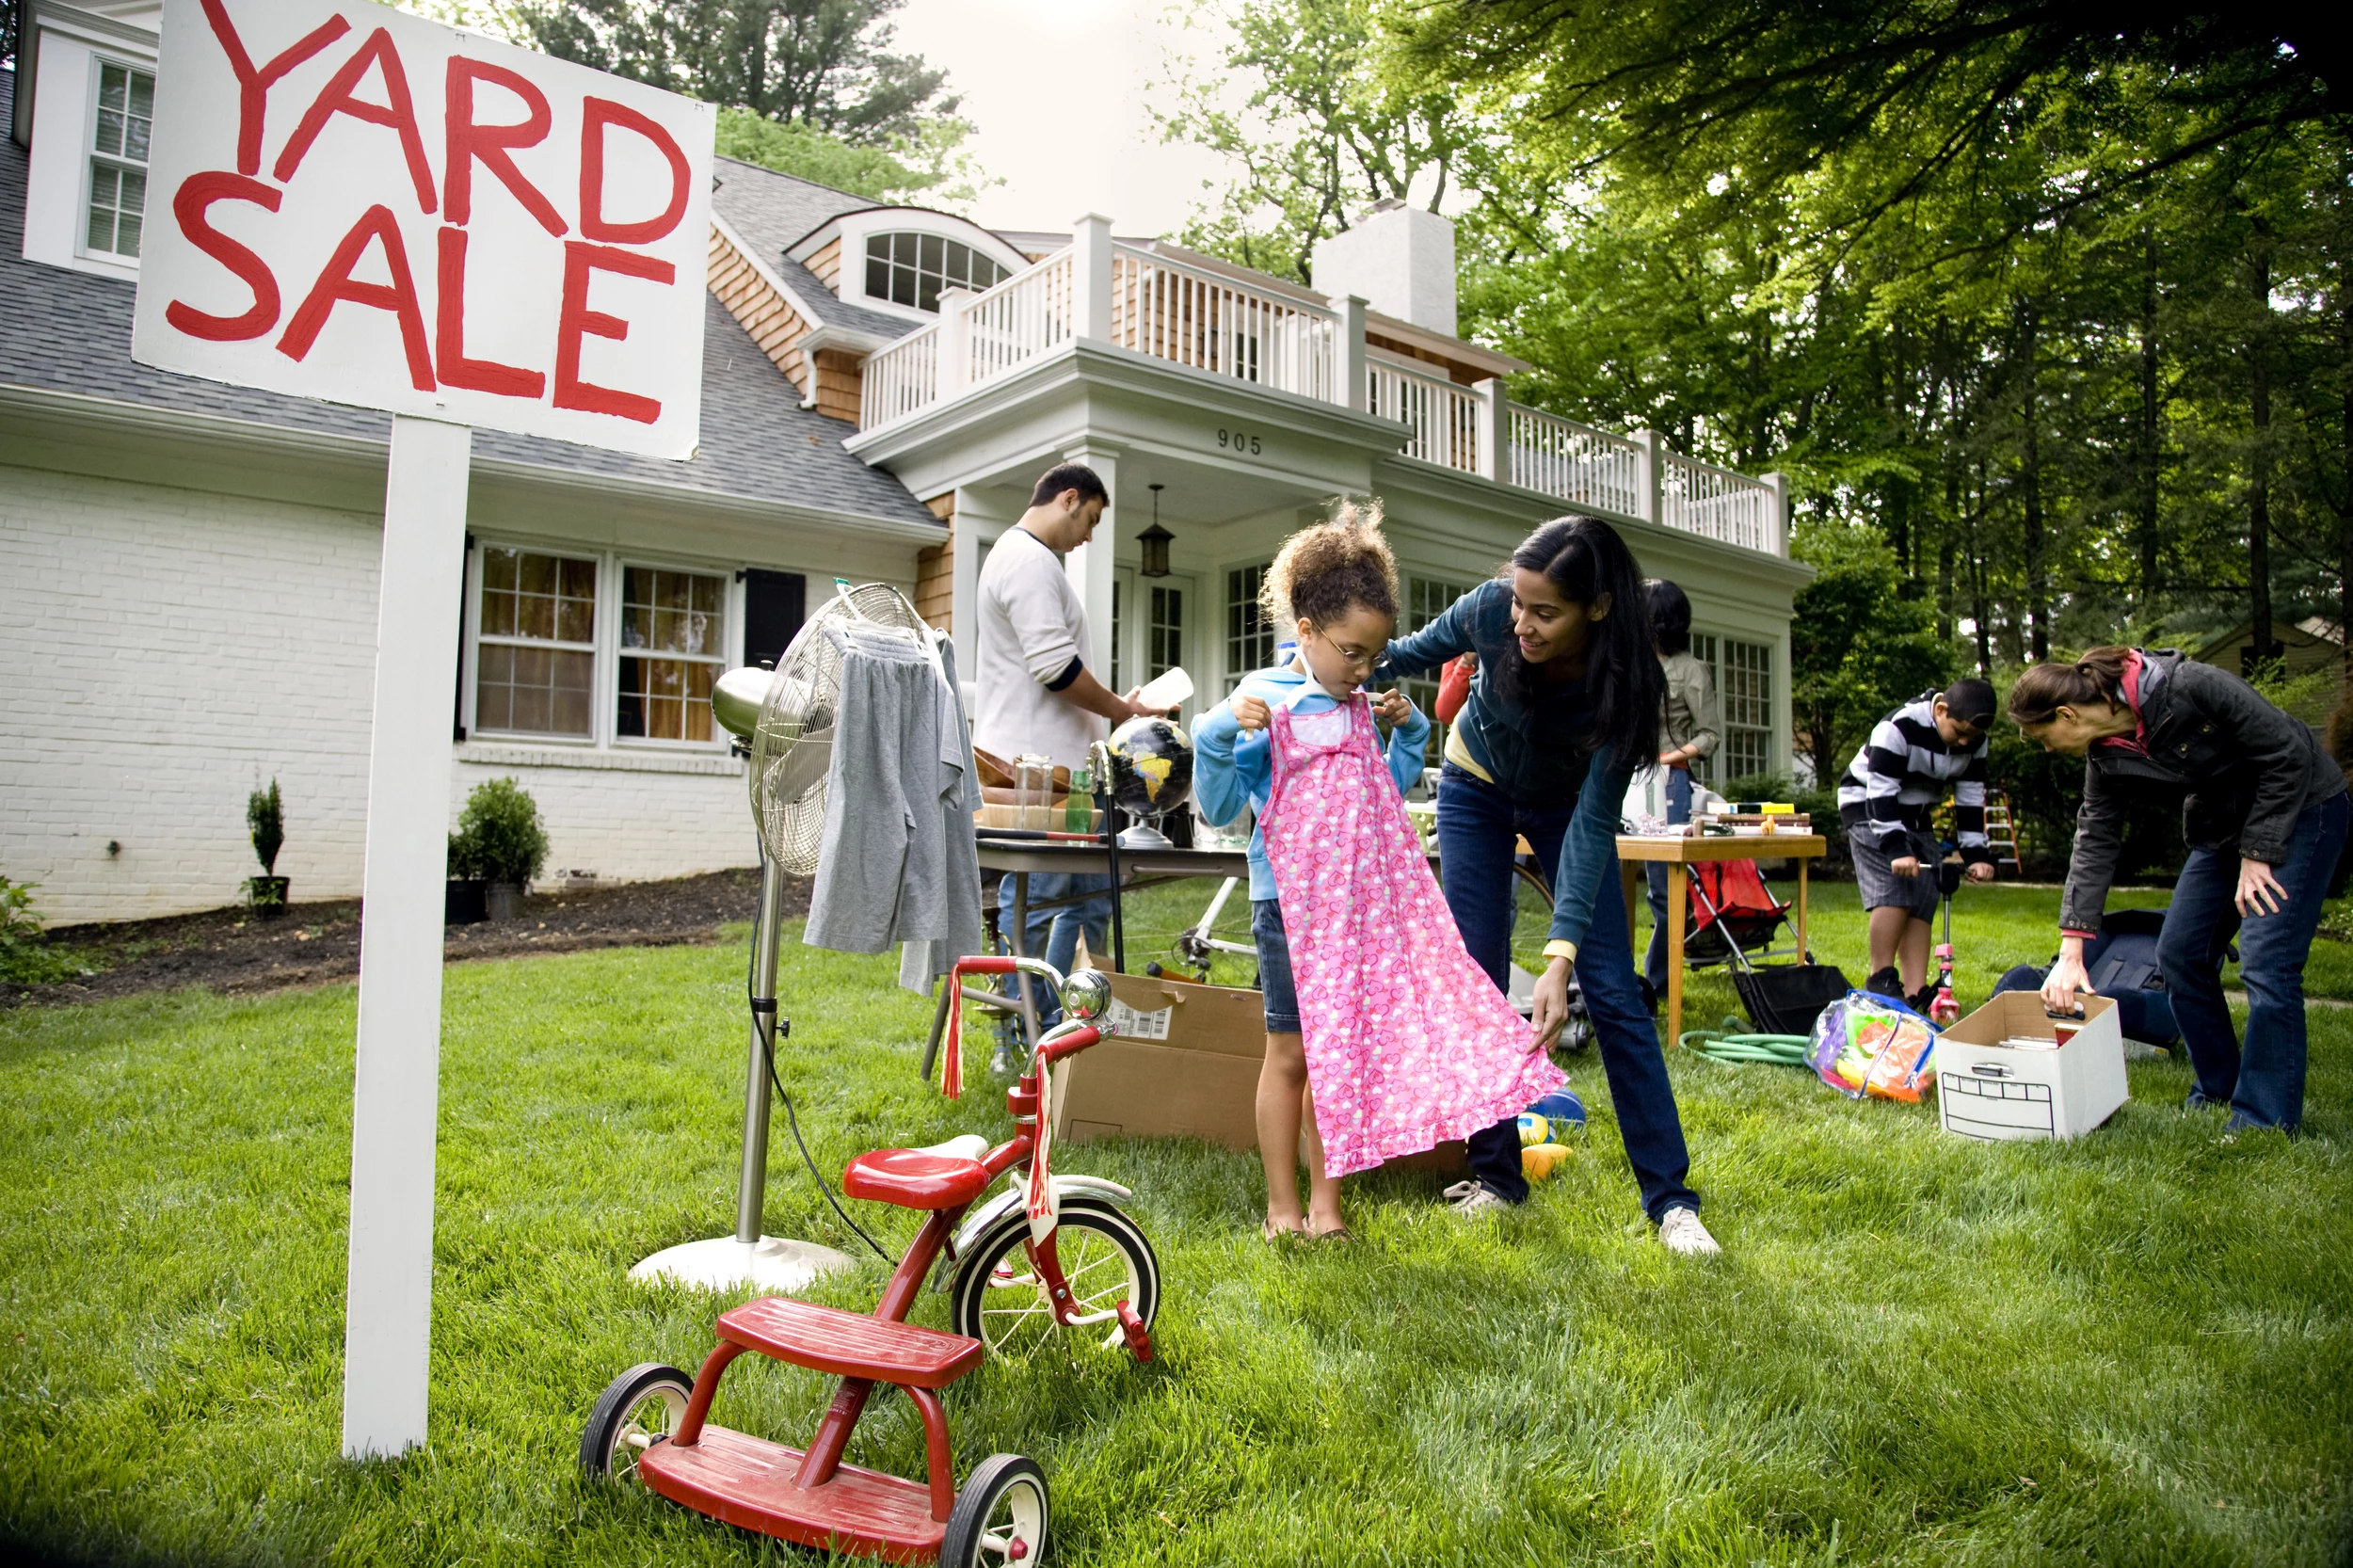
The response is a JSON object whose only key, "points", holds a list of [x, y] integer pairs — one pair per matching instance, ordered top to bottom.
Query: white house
{"points": [[187, 570]]}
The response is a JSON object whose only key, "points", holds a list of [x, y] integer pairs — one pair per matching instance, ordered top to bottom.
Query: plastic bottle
{"points": [[1078, 814]]}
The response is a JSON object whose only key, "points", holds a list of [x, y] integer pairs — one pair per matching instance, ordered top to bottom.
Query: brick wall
{"points": [[163, 651]]}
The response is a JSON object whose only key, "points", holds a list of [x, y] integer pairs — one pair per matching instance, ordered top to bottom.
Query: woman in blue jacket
{"points": [[1563, 709]]}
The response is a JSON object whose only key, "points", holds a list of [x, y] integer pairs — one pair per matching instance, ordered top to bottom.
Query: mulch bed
{"points": [[231, 952]]}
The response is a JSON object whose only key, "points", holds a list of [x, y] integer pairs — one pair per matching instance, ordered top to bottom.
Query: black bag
{"points": [[1785, 998]]}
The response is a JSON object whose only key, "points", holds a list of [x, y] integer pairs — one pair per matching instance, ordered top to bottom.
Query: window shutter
{"points": [[775, 603]]}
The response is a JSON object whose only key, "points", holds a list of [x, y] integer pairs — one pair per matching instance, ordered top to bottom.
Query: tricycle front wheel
{"points": [[1105, 1257]]}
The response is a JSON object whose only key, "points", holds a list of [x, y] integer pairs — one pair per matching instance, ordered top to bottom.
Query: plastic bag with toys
{"points": [[1866, 1044]]}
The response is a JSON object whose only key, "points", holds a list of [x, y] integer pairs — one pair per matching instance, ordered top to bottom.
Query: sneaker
{"points": [[1886, 983], [1478, 1201], [1681, 1233]]}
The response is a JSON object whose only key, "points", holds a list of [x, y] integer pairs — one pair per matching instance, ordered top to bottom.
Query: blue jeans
{"points": [[1678, 810], [1477, 826], [1054, 934], [2265, 1086]]}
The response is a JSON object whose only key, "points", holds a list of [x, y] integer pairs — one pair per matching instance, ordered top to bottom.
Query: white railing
{"points": [[1190, 316], [1019, 319], [899, 378], [1444, 417], [1580, 464], [1718, 503]]}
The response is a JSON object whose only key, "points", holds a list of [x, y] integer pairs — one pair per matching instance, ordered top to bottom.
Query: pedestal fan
{"points": [[787, 716]]}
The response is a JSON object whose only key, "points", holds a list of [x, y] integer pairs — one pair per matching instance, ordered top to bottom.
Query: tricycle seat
{"points": [[915, 1178]]}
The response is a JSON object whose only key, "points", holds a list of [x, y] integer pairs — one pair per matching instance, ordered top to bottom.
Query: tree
{"points": [[822, 63], [932, 169], [1859, 647]]}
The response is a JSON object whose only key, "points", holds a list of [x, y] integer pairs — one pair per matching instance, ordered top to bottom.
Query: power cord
{"points": [[768, 1031]]}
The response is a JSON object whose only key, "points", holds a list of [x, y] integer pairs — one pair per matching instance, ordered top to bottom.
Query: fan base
{"points": [[770, 1264]]}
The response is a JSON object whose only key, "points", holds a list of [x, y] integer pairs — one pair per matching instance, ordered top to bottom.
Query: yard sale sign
{"points": [[356, 204]]}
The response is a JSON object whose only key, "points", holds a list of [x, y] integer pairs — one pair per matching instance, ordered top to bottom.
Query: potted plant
{"points": [[265, 818], [500, 841], [467, 900]]}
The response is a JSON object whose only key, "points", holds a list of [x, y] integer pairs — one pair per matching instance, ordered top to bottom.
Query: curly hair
{"points": [[1323, 571]]}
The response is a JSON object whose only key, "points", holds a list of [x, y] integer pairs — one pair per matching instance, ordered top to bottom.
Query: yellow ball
{"points": [[1533, 1129], [1540, 1161]]}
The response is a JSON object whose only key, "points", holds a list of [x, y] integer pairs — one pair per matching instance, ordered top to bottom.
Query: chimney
{"points": [[1400, 259]]}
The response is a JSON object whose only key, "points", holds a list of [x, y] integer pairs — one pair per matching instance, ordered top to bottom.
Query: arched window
{"points": [[911, 269]]}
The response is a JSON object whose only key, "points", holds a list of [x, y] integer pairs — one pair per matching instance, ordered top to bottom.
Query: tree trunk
{"points": [[2148, 438], [2259, 490], [2344, 500], [2038, 573], [1976, 583]]}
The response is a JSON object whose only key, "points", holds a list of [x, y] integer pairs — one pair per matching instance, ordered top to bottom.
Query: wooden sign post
{"points": [[369, 208]]}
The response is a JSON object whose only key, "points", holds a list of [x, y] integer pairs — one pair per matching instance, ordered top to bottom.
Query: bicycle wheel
{"points": [[998, 1300]]}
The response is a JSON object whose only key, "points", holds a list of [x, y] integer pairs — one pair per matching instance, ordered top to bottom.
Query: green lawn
{"points": [[2134, 1349]]}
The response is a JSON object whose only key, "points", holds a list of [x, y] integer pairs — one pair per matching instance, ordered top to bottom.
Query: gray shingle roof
{"points": [[773, 211], [71, 332]]}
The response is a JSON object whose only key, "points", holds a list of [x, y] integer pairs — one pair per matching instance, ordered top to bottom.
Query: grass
{"points": [[2134, 1349]]}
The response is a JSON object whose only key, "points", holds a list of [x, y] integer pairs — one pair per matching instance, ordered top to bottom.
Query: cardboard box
{"points": [[1184, 1065], [1989, 1091]]}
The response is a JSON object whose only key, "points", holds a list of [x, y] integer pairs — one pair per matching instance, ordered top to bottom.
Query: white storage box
{"points": [[1989, 1090]]}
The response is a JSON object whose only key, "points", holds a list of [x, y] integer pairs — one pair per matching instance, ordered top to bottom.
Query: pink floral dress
{"points": [[1408, 1042]]}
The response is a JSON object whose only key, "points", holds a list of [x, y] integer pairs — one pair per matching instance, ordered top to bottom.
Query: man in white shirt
{"points": [[1033, 693]]}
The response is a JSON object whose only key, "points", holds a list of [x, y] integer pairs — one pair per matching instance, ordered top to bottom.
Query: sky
{"points": [[1057, 90]]}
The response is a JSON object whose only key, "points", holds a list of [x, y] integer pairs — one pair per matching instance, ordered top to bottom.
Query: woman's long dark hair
{"points": [[1584, 559]]}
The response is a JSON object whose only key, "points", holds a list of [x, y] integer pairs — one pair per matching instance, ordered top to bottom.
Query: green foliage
{"points": [[827, 64], [930, 167], [1860, 644], [265, 820], [499, 838], [27, 958]]}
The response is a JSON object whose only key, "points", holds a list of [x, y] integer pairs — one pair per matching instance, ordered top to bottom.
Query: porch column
{"points": [[1090, 278], [1348, 356], [1495, 431], [1646, 474], [1779, 483], [1090, 565], [964, 589]]}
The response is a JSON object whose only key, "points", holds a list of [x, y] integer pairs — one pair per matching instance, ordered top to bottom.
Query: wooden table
{"points": [[1678, 854]]}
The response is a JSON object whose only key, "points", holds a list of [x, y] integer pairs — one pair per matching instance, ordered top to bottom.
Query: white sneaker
{"points": [[1474, 1202], [1682, 1234]]}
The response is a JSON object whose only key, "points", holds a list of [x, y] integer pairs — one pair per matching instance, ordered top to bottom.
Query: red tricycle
{"points": [[1047, 1255]]}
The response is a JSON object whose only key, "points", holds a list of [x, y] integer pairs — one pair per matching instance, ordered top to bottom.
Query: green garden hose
{"points": [[1727, 1044]]}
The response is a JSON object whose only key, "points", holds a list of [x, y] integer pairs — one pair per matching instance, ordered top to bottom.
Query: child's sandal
{"points": [[1274, 1235], [1338, 1236]]}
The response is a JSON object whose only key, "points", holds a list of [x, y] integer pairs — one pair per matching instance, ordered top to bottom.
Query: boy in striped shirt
{"points": [[1886, 800]]}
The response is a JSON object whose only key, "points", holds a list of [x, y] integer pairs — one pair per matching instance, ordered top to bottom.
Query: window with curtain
{"points": [[673, 650]]}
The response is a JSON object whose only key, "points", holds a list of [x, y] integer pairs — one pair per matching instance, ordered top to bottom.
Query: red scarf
{"points": [[2138, 745]]}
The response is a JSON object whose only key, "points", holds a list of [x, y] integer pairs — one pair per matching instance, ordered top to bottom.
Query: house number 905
{"points": [[1238, 441]]}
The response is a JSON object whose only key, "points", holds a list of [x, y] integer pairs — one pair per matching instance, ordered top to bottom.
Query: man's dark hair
{"points": [[1069, 476], [1971, 701]]}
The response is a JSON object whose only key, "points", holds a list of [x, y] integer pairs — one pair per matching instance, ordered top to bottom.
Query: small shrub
{"points": [[265, 818], [499, 838], [27, 958]]}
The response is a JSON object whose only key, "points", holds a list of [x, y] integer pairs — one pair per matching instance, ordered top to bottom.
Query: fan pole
{"points": [[751, 1191], [747, 1260]]}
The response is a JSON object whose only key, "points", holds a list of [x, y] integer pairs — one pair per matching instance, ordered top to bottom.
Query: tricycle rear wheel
{"points": [[636, 1409], [1000, 1516]]}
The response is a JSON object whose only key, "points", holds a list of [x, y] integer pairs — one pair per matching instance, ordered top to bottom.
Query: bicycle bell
{"points": [[1086, 995]]}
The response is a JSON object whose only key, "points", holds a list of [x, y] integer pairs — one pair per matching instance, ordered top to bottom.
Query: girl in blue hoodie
{"points": [[1336, 583]]}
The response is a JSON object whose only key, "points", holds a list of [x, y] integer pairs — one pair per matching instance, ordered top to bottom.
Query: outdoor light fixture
{"points": [[1153, 540]]}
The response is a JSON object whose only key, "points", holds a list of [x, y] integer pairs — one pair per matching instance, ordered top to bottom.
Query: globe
{"points": [[1151, 767]]}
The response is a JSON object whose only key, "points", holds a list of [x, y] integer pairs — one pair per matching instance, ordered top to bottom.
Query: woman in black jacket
{"points": [[2264, 809]]}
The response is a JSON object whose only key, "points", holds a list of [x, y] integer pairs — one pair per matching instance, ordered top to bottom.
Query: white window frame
{"points": [[91, 156], [849, 232], [1222, 628], [605, 683], [1423, 689], [1716, 771]]}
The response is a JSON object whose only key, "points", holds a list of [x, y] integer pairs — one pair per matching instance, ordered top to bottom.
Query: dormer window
{"points": [[118, 166], [911, 269]]}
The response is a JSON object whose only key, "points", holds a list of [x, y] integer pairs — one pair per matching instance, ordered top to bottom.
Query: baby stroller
{"points": [[1731, 908]]}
